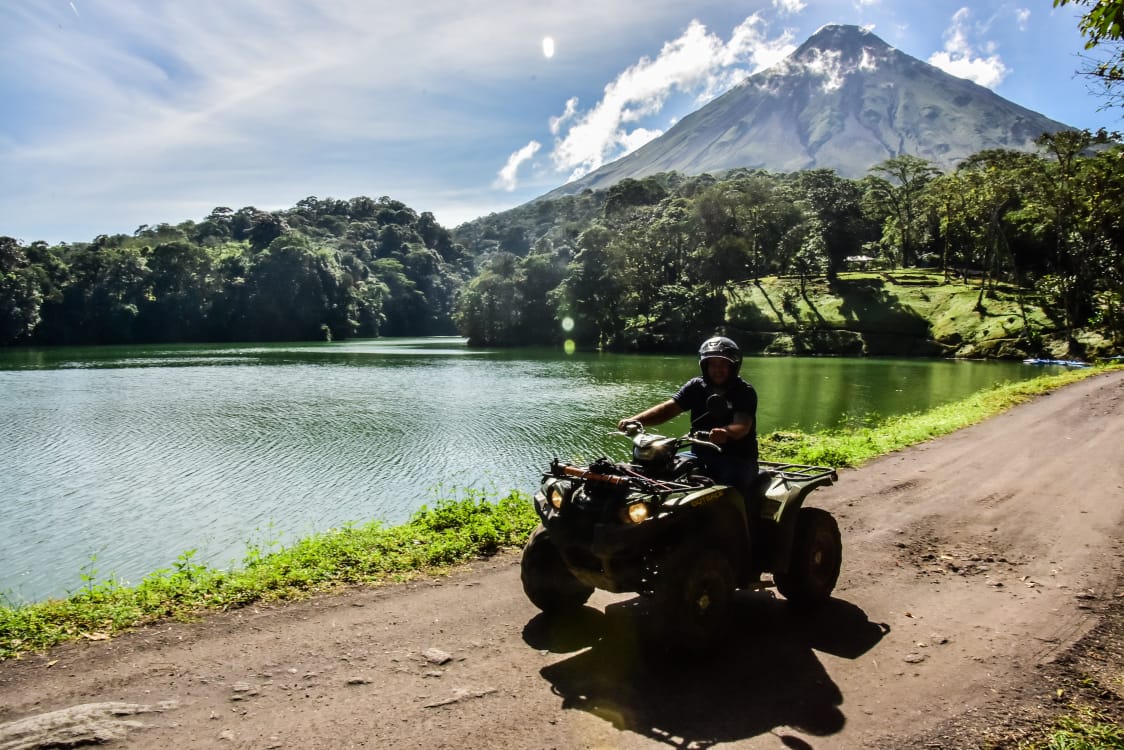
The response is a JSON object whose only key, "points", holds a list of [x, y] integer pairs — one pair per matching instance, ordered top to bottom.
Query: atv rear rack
{"points": [[798, 472]]}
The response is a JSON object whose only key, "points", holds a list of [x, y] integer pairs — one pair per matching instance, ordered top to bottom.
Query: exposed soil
{"points": [[981, 593]]}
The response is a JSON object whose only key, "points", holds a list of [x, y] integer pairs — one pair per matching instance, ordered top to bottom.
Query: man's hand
{"points": [[719, 435]]}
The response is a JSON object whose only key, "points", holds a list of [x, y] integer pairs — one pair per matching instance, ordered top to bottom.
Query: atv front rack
{"points": [[621, 475]]}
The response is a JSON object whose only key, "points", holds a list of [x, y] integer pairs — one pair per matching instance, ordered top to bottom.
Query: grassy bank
{"points": [[905, 312], [454, 531]]}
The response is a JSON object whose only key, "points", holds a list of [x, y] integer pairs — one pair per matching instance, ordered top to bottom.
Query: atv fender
{"points": [[785, 517]]}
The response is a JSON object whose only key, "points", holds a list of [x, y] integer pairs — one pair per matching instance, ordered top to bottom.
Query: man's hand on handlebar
{"points": [[630, 426], [719, 435]]}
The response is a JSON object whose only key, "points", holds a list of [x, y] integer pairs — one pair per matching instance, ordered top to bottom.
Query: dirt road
{"points": [[973, 567]]}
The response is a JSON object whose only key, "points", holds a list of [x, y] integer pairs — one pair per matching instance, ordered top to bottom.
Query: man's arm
{"points": [[658, 414], [738, 428]]}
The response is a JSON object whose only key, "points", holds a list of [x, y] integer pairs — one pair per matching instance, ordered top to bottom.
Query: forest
{"points": [[647, 264]]}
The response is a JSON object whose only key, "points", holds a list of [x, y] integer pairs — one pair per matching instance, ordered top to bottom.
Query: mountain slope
{"points": [[844, 100]]}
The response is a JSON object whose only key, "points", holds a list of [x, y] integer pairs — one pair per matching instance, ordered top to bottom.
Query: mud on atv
{"points": [[658, 527]]}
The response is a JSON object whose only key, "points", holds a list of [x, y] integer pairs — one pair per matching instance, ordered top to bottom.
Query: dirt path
{"points": [[973, 565]]}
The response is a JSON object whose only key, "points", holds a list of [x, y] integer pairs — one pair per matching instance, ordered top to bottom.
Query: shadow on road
{"points": [[765, 674]]}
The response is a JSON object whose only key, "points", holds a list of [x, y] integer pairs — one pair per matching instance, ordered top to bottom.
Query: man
{"points": [[733, 427]]}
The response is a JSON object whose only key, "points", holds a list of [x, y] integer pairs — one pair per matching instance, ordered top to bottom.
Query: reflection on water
{"points": [[137, 454]]}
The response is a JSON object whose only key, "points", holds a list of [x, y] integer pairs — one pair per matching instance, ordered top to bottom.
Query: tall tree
{"points": [[989, 183], [895, 189], [1070, 201], [835, 205], [590, 296]]}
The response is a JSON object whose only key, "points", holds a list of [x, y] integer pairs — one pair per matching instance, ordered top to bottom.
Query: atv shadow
{"points": [[763, 675]]}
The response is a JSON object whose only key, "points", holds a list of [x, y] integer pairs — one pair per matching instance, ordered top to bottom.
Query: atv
{"points": [[657, 526]]}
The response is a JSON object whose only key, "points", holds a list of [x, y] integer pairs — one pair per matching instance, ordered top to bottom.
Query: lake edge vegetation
{"points": [[467, 525]]}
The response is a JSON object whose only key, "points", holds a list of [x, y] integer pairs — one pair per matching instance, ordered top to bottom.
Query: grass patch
{"points": [[901, 312], [854, 446], [454, 531], [1085, 730]]}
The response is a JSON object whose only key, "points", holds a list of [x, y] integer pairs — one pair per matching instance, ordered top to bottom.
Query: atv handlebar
{"points": [[699, 437]]}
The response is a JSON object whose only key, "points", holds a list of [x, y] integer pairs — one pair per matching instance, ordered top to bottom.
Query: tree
{"points": [[1103, 26], [989, 183], [894, 189], [632, 193], [1075, 203], [834, 204], [742, 222], [264, 229], [20, 292], [296, 293], [590, 295], [101, 304], [405, 307], [176, 309], [488, 312]]}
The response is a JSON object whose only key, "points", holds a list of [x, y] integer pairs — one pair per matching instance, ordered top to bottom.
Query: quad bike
{"points": [[657, 526]]}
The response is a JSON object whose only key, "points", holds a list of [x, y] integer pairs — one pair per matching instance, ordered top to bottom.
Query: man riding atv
{"points": [[720, 361], [686, 529]]}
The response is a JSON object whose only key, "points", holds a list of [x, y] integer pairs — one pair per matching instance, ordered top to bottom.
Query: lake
{"points": [[116, 460]]}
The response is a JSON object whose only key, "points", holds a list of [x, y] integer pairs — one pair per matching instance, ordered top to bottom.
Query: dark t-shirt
{"points": [[740, 398]]}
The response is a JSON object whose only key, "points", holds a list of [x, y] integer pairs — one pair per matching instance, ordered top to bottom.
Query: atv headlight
{"points": [[557, 494], [637, 513]]}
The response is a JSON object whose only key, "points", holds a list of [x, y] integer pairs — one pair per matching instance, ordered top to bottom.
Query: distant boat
{"points": [[1062, 362]]}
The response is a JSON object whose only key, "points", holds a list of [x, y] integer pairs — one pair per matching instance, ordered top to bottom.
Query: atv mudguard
{"points": [[784, 513]]}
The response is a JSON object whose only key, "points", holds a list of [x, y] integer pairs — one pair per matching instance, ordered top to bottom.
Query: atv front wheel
{"points": [[817, 554], [547, 582], [695, 595]]}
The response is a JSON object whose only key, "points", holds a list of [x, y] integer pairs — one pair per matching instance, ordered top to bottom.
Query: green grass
{"points": [[899, 312], [854, 446], [454, 531], [1084, 730]]}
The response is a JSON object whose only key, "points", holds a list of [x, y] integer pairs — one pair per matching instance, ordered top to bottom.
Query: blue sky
{"points": [[118, 113]]}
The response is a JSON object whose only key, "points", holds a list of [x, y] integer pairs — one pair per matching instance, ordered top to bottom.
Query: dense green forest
{"points": [[662, 261], [647, 264], [324, 269]]}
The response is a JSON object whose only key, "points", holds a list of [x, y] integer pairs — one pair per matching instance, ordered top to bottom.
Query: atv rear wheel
{"points": [[817, 554], [547, 582], [695, 595]]}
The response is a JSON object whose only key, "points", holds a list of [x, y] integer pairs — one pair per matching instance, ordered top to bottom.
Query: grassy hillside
{"points": [[913, 313]]}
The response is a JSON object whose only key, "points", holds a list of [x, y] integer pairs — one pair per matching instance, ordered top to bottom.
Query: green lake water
{"points": [[119, 459]]}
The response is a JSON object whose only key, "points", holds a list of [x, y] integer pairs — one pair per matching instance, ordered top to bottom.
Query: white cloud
{"points": [[789, 7], [1022, 18], [961, 58], [697, 63], [828, 66], [556, 123], [507, 177]]}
